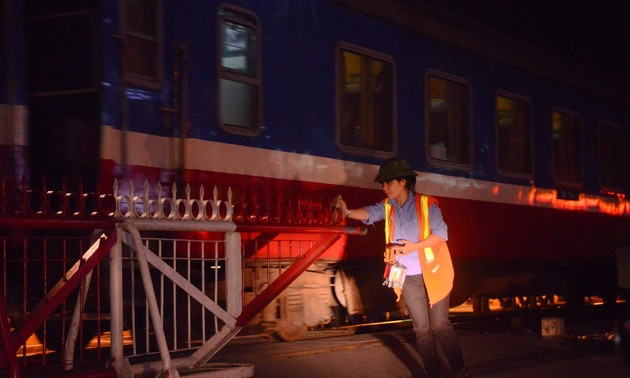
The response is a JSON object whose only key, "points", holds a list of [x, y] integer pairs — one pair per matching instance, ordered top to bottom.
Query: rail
{"points": [[154, 273]]}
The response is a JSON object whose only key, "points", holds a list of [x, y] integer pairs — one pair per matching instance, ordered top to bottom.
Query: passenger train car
{"points": [[526, 153]]}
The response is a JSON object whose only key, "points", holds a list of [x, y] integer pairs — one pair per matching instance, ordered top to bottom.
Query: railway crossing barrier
{"points": [[134, 283]]}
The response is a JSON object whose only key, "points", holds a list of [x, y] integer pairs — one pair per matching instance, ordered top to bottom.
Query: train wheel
{"points": [[466, 280], [458, 297], [610, 297], [575, 298], [546, 299], [527, 301], [507, 303], [480, 304], [288, 331]]}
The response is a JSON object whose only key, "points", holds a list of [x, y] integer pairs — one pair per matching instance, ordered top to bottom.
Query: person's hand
{"points": [[339, 203], [401, 247]]}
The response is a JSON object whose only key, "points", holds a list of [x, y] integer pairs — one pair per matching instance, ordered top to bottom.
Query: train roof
{"points": [[437, 23]]}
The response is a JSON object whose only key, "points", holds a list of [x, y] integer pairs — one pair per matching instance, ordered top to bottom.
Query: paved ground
{"points": [[510, 353]]}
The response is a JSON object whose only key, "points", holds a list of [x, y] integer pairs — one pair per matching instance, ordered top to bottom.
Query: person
{"points": [[416, 236]]}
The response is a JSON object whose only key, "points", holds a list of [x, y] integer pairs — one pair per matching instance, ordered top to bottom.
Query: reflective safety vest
{"points": [[437, 267]]}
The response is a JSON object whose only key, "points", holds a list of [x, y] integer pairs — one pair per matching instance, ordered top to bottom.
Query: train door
{"points": [[62, 85]]}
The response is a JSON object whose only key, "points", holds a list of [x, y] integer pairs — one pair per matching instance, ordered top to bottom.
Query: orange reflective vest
{"points": [[437, 267]]}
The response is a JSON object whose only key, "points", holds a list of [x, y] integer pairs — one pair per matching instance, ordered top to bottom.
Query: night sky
{"points": [[594, 33]]}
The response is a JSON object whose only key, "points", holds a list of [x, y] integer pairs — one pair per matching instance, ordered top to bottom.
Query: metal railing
{"points": [[131, 278]]}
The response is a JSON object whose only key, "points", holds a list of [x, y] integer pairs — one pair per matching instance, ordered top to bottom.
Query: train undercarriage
{"points": [[336, 294]]}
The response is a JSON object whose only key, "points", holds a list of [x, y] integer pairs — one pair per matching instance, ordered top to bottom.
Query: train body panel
{"points": [[161, 115]]}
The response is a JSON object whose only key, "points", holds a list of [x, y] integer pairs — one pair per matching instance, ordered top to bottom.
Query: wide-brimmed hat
{"points": [[393, 168]]}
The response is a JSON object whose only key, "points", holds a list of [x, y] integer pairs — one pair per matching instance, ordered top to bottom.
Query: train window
{"points": [[65, 39], [142, 42], [239, 71], [365, 101], [448, 125], [514, 135], [567, 148], [611, 170]]}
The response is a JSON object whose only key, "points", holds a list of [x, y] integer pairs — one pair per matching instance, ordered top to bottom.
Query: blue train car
{"points": [[526, 153]]}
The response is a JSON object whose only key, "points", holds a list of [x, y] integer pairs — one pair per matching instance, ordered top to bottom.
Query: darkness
{"points": [[593, 34]]}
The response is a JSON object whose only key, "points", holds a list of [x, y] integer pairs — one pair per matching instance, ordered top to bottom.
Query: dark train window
{"points": [[65, 40], [142, 42], [239, 71], [365, 101], [448, 125], [514, 136], [567, 148], [611, 167]]}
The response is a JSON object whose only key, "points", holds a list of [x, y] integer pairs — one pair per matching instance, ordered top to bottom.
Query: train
{"points": [[526, 153]]}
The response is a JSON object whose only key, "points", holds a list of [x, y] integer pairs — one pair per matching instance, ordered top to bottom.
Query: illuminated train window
{"points": [[142, 42], [239, 71], [365, 101], [448, 121], [514, 136], [567, 148], [611, 167]]}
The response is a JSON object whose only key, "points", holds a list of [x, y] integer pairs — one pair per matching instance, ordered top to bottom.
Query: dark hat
{"points": [[393, 168]]}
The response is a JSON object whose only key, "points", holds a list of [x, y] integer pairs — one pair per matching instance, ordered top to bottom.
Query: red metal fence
{"points": [[57, 279]]}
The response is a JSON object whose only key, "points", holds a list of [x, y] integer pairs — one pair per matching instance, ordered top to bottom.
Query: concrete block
{"points": [[552, 327]]}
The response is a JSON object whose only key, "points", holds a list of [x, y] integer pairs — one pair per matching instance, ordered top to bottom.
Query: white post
{"points": [[233, 274], [116, 304]]}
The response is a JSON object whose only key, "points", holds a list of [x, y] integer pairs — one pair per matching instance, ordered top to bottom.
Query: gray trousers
{"points": [[432, 327]]}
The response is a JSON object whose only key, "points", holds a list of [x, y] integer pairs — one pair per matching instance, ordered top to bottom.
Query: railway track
{"points": [[588, 320], [497, 344]]}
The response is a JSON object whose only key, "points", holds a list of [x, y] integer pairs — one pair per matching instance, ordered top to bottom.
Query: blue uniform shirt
{"points": [[406, 227]]}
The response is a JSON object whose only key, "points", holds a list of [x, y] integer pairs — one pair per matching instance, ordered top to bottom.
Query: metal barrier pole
{"points": [[234, 273], [116, 305], [154, 310], [75, 324], [7, 342]]}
